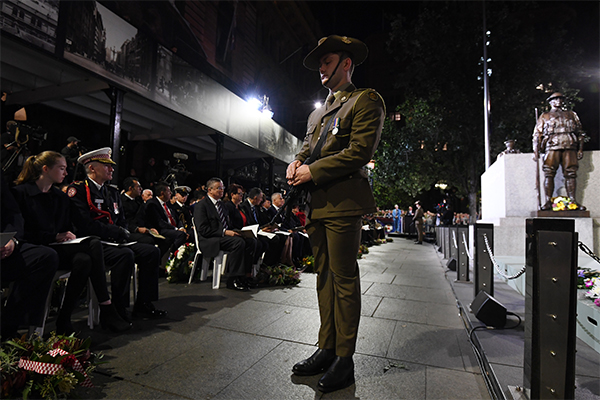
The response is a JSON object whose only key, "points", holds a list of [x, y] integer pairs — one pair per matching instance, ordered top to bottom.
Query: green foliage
{"points": [[439, 55], [279, 275]]}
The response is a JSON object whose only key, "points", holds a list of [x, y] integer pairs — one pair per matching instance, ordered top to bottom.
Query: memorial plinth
{"points": [[508, 198]]}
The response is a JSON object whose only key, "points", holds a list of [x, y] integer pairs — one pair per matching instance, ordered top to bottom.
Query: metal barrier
{"points": [[483, 268], [462, 270], [550, 308]]}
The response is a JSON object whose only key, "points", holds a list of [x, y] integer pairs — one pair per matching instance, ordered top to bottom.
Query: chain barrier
{"points": [[454, 240], [467, 250], [587, 251], [496, 266], [590, 334]]}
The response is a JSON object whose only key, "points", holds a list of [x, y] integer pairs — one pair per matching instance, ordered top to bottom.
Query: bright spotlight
{"points": [[255, 103], [318, 104]]}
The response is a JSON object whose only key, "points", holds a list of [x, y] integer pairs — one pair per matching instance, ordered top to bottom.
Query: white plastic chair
{"points": [[218, 267], [94, 307]]}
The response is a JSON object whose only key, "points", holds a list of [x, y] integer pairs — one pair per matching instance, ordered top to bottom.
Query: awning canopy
{"points": [[31, 76]]}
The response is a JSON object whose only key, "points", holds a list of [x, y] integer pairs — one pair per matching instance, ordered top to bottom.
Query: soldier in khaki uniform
{"points": [[340, 194]]}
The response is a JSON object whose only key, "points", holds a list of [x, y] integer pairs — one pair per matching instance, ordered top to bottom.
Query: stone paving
{"points": [[223, 344]]}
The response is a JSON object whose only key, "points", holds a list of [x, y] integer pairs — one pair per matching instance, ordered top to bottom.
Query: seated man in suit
{"points": [[132, 203], [96, 210], [255, 215], [160, 217], [214, 234]]}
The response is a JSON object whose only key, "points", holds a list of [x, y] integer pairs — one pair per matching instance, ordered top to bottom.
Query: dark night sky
{"points": [[366, 20]]}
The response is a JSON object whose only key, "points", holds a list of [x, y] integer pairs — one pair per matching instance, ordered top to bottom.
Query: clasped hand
{"points": [[298, 173]]}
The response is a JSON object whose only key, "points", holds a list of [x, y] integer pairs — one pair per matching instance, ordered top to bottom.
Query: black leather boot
{"points": [[110, 319], [63, 323], [318, 362], [339, 375]]}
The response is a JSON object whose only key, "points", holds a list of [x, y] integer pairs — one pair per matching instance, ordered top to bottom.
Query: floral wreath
{"points": [[562, 203], [180, 263], [590, 280], [49, 369]]}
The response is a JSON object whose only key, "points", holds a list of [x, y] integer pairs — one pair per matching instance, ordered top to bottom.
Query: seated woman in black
{"points": [[46, 213], [237, 220]]}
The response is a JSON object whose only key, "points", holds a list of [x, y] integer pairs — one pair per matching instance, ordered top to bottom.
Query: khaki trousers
{"points": [[335, 243]]}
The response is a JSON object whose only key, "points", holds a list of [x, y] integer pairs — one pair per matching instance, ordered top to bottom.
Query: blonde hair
{"points": [[32, 169]]}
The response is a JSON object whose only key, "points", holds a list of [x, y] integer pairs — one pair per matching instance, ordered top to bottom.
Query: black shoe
{"points": [[418, 242], [250, 283], [236, 284], [147, 310], [123, 313], [110, 319], [63, 324], [318, 362], [339, 375]]}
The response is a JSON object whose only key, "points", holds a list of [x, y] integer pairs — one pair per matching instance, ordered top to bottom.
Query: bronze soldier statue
{"points": [[558, 135]]}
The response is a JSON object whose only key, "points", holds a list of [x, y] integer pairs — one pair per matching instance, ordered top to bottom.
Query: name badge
{"points": [[99, 201]]}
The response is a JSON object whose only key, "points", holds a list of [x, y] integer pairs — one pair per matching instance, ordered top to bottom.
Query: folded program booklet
{"points": [[249, 231], [5, 237]]}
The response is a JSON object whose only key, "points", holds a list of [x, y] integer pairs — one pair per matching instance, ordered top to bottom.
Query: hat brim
{"points": [[334, 44], [105, 161]]}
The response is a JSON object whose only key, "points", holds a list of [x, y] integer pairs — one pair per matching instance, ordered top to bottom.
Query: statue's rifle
{"points": [[537, 163]]}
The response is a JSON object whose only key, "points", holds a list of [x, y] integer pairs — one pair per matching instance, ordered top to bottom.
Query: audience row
{"points": [[94, 228]]}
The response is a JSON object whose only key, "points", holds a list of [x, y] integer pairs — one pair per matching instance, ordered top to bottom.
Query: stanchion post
{"points": [[445, 242], [453, 243], [483, 268], [462, 269], [550, 308]]}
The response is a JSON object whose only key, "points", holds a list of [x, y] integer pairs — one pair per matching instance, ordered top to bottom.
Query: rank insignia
{"points": [[346, 40], [373, 96], [71, 192]]}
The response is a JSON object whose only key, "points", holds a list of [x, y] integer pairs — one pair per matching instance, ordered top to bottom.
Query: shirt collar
{"points": [[344, 88], [98, 186], [214, 201]]}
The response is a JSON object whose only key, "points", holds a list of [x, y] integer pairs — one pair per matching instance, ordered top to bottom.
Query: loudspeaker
{"points": [[451, 264], [488, 310]]}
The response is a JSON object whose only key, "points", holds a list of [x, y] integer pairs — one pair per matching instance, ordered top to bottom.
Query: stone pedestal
{"points": [[508, 197]]}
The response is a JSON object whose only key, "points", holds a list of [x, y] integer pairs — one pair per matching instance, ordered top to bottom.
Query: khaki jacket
{"points": [[341, 187]]}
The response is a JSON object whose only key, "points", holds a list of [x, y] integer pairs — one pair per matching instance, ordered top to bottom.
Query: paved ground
{"points": [[224, 344]]}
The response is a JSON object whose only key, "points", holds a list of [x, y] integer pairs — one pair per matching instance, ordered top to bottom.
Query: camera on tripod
{"points": [[23, 133], [177, 172]]}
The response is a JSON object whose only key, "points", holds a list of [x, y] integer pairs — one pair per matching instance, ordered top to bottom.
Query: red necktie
{"points": [[169, 215]]}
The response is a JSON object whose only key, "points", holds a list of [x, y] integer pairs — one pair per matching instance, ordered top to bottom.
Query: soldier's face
{"points": [[328, 63], [556, 102]]}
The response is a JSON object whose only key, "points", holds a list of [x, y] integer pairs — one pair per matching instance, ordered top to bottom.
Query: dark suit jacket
{"points": [[132, 208], [247, 210], [156, 217], [209, 227]]}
